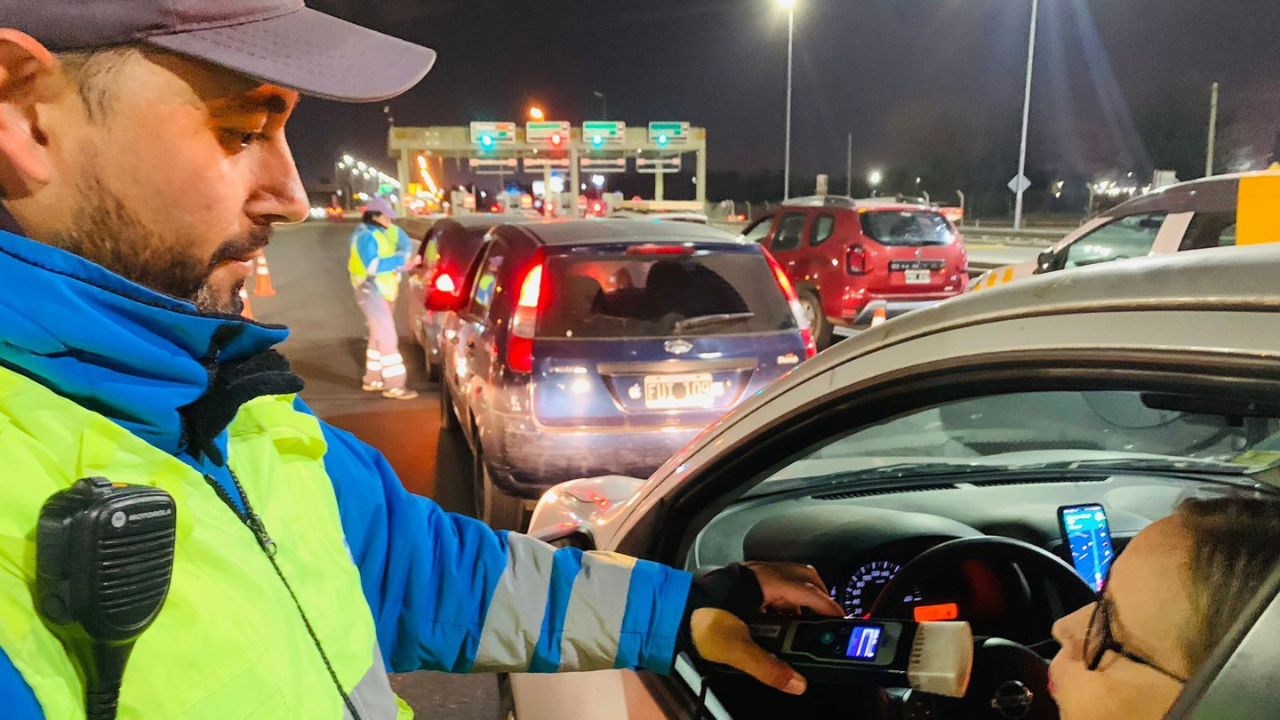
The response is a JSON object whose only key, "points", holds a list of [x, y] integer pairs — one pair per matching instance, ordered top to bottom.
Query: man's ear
{"points": [[26, 71]]}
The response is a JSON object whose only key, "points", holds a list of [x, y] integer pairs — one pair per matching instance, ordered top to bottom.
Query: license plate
{"points": [[917, 277], [671, 392]]}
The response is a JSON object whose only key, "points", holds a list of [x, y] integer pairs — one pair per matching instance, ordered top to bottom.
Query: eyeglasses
{"points": [[1098, 640]]}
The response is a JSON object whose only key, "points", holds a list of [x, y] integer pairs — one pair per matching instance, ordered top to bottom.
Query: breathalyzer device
{"points": [[933, 657]]}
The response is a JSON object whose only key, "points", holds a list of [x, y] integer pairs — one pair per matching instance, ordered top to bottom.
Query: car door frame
{"points": [[889, 386]]}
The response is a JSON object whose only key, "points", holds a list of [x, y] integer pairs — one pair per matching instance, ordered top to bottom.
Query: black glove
{"points": [[734, 588]]}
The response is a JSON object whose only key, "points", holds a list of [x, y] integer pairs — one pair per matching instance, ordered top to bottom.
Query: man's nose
{"points": [[278, 195]]}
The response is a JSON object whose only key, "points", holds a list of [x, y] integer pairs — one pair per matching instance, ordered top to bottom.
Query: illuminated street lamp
{"points": [[790, 7], [535, 113], [874, 178]]}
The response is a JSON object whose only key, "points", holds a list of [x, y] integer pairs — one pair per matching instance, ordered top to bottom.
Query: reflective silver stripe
{"points": [[372, 354], [392, 359], [373, 365], [390, 371], [514, 620], [593, 620], [373, 696]]}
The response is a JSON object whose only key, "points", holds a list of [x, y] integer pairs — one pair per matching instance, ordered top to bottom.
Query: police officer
{"points": [[142, 164], [380, 251]]}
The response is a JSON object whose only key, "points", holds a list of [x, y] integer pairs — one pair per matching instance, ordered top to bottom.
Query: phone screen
{"points": [[1085, 530]]}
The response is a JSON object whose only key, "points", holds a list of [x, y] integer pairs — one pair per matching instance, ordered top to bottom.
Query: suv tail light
{"points": [[856, 263], [445, 284], [793, 302], [520, 339]]}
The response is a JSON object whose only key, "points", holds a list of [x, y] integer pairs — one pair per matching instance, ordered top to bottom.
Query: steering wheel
{"points": [[1010, 681]]}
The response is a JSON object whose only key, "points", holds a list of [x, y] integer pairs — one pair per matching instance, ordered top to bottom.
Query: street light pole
{"points": [[790, 5], [604, 104], [1026, 116]]}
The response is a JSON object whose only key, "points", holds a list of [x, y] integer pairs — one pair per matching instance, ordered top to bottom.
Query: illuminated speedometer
{"points": [[865, 585]]}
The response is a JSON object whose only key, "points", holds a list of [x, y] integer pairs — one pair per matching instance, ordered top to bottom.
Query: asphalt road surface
{"points": [[326, 347]]}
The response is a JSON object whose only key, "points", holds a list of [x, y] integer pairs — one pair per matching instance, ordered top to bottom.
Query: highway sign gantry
{"points": [[551, 133], [669, 133], [490, 134], [601, 134]]}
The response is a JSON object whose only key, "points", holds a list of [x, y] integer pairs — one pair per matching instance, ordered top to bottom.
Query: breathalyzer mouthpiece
{"points": [[104, 558]]}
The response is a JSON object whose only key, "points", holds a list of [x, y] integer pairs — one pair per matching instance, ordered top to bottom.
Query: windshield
{"points": [[907, 227], [611, 295], [1058, 429]]}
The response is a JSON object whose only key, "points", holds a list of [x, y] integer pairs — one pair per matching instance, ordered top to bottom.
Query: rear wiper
{"points": [[704, 320]]}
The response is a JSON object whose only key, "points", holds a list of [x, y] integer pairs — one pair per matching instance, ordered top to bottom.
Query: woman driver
{"points": [[1172, 596]]}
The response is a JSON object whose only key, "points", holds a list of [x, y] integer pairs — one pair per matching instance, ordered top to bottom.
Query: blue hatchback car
{"points": [[597, 347]]}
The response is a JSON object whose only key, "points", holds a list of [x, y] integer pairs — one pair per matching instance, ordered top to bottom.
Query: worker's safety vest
{"points": [[388, 283], [230, 640]]}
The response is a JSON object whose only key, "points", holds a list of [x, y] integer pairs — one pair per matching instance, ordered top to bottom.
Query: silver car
{"points": [[934, 452]]}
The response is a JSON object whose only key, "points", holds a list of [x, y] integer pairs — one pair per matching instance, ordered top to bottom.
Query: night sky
{"points": [[911, 79]]}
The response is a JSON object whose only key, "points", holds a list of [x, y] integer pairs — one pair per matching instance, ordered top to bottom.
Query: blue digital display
{"points": [[1089, 537], [863, 642]]}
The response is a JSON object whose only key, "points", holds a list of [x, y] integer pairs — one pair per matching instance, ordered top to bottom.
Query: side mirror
{"points": [[1044, 260], [573, 513], [571, 536]]}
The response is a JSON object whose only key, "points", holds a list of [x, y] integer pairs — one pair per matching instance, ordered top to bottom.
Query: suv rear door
{"points": [[910, 250], [657, 335]]}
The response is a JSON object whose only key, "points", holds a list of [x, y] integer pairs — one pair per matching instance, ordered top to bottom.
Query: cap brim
{"points": [[313, 53]]}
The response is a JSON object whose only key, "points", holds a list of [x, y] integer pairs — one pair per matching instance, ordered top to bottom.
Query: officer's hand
{"points": [[722, 637]]}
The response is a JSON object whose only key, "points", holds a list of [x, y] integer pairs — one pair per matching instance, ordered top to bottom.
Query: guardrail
{"points": [[1038, 237]]}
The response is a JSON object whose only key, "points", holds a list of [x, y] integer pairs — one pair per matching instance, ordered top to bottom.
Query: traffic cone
{"points": [[262, 278], [246, 312], [878, 316]]}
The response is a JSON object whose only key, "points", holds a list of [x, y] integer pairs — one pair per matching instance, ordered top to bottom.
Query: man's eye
{"points": [[240, 140]]}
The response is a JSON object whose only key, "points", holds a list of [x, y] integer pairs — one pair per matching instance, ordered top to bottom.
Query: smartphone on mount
{"points": [[1088, 538]]}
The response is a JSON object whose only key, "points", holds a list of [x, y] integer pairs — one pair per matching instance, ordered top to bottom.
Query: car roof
{"points": [[1211, 194], [844, 202], [487, 220], [613, 231], [1234, 277]]}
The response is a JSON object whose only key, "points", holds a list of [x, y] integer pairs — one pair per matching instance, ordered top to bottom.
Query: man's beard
{"points": [[107, 233]]}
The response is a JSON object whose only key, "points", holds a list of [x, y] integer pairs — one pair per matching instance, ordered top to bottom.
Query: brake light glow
{"points": [[659, 250], [857, 260], [445, 284], [531, 289], [793, 302], [520, 339], [935, 613]]}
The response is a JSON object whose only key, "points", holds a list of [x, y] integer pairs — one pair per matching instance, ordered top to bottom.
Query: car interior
{"points": [[966, 509]]}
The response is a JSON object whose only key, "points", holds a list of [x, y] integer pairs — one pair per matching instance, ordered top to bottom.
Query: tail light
{"points": [[856, 263], [445, 284], [793, 302], [520, 339]]}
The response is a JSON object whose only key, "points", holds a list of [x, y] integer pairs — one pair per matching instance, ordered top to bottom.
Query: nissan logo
{"points": [[678, 347], [1012, 700]]}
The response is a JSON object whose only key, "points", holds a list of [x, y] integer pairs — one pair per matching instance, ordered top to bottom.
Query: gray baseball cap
{"points": [[281, 42]]}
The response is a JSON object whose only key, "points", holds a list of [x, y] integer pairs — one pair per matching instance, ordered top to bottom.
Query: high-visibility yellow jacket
{"points": [[104, 378]]}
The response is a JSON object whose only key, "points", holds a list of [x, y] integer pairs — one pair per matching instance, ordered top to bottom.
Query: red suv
{"points": [[853, 261]]}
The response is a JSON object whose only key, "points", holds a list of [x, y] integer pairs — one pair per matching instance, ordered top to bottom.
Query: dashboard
{"points": [[859, 540]]}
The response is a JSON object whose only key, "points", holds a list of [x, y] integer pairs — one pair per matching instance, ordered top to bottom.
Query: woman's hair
{"points": [[370, 217], [1235, 545]]}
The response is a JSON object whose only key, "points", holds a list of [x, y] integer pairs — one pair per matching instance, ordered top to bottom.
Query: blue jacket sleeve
{"points": [[449, 593], [19, 702]]}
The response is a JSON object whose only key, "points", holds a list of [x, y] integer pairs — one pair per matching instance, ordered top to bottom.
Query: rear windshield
{"points": [[907, 227], [619, 296]]}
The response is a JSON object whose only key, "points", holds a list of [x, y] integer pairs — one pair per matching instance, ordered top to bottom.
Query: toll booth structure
{"points": [[656, 149]]}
